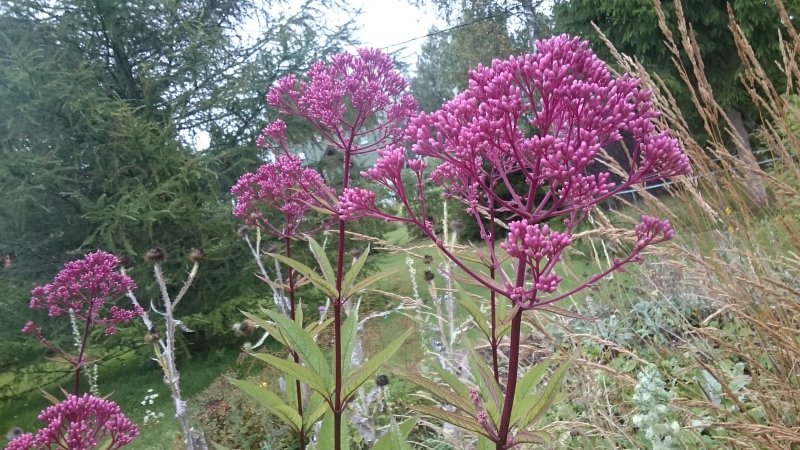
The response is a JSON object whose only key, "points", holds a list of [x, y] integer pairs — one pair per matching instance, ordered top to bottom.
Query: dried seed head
{"points": [[155, 255], [198, 256], [125, 261], [382, 380]]}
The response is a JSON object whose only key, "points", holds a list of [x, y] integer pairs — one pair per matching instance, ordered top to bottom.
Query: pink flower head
{"points": [[349, 98], [543, 118], [273, 136], [389, 165], [284, 186], [355, 203], [651, 230], [534, 242], [83, 287], [80, 423], [22, 442]]}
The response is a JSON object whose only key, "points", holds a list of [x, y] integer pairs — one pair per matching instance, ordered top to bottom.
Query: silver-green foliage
{"points": [[653, 412]]}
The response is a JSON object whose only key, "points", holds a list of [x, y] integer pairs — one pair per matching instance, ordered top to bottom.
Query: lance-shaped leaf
{"points": [[322, 260], [352, 274], [316, 279], [368, 281], [474, 310], [505, 324], [269, 327], [313, 328], [349, 335], [299, 341], [364, 372], [304, 374], [525, 385], [460, 388], [490, 390], [460, 401], [272, 402], [534, 406], [314, 411], [456, 419], [325, 436], [531, 437], [396, 438], [485, 444]]}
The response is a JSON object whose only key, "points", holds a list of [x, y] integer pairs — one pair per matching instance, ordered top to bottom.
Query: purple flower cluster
{"points": [[357, 102], [543, 117], [530, 127], [284, 186], [83, 287], [79, 423]]}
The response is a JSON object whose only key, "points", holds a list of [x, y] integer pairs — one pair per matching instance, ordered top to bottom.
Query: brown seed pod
{"points": [[155, 255], [198, 256]]}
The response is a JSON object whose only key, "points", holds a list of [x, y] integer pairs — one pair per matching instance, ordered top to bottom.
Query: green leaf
{"points": [[322, 260], [352, 274], [315, 278], [369, 281], [474, 310], [298, 314], [505, 324], [270, 328], [313, 328], [349, 334], [304, 345], [365, 371], [304, 374], [525, 385], [461, 389], [490, 390], [271, 401], [460, 401], [534, 408], [314, 411], [458, 420], [325, 436], [531, 437], [396, 438], [485, 444]]}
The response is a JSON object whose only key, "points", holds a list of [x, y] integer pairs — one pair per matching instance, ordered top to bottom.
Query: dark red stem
{"points": [[84, 339], [494, 341], [511, 385], [338, 404], [301, 438]]}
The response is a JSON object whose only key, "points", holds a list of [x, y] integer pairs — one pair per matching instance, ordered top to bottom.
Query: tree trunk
{"points": [[529, 12], [754, 183]]}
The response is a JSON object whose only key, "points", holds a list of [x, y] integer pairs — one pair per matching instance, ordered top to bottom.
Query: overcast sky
{"points": [[384, 23]]}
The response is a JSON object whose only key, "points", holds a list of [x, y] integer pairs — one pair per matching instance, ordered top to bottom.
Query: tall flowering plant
{"points": [[357, 103], [540, 118], [285, 189], [83, 290]]}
